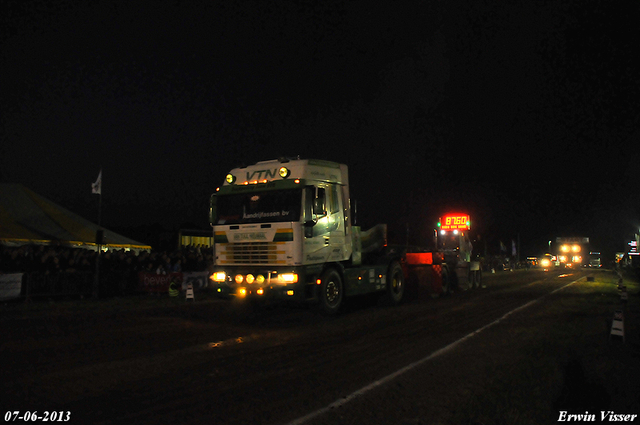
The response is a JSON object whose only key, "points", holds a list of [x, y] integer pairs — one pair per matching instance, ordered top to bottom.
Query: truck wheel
{"points": [[446, 282], [473, 282], [395, 284], [331, 292]]}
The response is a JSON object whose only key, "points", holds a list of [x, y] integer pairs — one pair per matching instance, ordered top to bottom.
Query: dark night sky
{"points": [[525, 114]]}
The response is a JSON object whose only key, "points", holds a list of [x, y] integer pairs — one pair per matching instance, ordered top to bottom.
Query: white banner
{"points": [[10, 286]]}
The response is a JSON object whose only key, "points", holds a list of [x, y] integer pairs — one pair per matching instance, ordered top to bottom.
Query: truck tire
{"points": [[473, 279], [446, 282], [395, 284], [331, 292]]}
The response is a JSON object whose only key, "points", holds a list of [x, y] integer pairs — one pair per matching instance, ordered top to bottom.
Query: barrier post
{"points": [[189, 295], [617, 325]]}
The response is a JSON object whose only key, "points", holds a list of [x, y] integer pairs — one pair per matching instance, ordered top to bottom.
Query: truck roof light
{"points": [[284, 172], [231, 179]]}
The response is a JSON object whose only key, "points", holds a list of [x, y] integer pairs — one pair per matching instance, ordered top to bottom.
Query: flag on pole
{"points": [[97, 186]]}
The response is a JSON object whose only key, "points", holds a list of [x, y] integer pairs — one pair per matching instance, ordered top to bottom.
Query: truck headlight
{"points": [[219, 277], [286, 278]]}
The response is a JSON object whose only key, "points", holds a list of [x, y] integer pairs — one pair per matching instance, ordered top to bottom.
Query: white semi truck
{"points": [[283, 229]]}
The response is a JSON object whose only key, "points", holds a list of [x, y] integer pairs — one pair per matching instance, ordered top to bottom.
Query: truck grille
{"points": [[250, 253]]}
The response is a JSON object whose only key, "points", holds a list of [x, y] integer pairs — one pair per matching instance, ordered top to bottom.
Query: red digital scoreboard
{"points": [[454, 222]]}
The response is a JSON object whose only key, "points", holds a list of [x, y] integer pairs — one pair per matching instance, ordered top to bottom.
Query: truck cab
{"points": [[277, 223]]}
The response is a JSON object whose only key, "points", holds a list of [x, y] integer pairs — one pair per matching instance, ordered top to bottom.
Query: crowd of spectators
{"points": [[55, 259]]}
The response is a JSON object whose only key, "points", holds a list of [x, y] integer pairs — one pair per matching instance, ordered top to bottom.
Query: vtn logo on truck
{"points": [[267, 173]]}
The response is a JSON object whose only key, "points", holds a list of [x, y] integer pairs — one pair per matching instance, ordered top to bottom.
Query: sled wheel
{"points": [[479, 283]]}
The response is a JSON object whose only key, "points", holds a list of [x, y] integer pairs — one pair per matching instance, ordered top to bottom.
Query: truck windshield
{"points": [[259, 207], [448, 242]]}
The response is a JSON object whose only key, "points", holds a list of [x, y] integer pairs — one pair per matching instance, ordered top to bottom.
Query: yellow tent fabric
{"points": [[26, 217]]}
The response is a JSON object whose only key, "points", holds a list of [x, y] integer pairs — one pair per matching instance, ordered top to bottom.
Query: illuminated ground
{"points": [[160, 360]]}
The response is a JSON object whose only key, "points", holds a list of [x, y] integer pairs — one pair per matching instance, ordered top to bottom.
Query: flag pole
{"points": [[96, 188], [100, 209]]}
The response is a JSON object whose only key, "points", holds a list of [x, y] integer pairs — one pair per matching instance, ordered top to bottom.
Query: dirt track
{"points": [[209, 362]]}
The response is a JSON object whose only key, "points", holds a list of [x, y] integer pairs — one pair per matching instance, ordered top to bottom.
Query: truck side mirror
{"points": [[319, 204], [319, 208], [308, 228]]}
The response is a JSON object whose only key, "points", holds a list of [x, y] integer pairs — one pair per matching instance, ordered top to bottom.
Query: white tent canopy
{"points": [[28, 218]]}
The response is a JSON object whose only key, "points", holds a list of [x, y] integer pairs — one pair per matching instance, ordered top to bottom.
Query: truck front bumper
{"points": [[282, 284]]}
